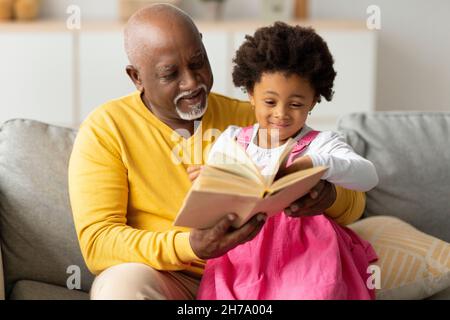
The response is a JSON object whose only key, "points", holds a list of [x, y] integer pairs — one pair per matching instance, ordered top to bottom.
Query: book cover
{"points": [[231, 183]]}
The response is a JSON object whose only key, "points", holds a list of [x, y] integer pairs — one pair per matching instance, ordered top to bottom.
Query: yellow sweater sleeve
{"points": [[98, 188], [348, 207]]}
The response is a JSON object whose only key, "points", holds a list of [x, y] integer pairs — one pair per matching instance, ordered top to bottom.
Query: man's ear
{"points": [[133, 73]]}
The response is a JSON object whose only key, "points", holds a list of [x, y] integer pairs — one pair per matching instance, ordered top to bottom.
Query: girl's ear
{"points": [[251, 99], [313, 103]]}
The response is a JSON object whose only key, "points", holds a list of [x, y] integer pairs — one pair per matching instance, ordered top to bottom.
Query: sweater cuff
{"points": [[315, 160], [338, 207], [348, 207], [183, 248]]}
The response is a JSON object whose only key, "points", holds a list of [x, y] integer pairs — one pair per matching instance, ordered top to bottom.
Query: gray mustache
{"points": [[187, 93]]}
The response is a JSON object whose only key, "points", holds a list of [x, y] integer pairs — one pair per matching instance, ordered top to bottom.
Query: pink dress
{"points": [[292, 258]]}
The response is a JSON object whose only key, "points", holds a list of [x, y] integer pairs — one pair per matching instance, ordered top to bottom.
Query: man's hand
{"points": [[194, 172], [319, 198], [216, 241]]}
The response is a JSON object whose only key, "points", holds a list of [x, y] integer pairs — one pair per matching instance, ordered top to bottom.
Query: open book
{"points": [[231, 182]]}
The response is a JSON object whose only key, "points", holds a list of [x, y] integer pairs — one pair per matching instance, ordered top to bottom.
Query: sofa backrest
{"points": [[411, 151], [37, 233]]}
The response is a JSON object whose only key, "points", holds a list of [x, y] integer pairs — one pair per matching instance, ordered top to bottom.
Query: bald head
{"points": [[153, 24], [168, 64]]}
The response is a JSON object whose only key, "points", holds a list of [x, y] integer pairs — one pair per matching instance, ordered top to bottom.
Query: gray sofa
{"points": [[38, 241]]}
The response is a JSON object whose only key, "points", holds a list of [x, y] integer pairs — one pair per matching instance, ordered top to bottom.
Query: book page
{"points": [[234, 159], [282, 160], [216, 180], [231, 182], [280, 198], [204, 209]]}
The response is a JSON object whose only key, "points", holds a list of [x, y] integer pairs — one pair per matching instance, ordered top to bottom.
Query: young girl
{"points": [[286, 70]]}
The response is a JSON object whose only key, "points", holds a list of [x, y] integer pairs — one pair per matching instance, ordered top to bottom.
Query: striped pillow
{"points": [[412, 264]]}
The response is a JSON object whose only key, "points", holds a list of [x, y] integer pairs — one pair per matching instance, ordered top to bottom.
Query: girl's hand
{"points": [[298, 164], [194, 172]]}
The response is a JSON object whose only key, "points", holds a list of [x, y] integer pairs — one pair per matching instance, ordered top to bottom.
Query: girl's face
{"points": [[281, 105]]}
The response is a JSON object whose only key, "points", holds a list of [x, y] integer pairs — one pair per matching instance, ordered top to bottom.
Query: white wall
{"points": [[414, 50]]}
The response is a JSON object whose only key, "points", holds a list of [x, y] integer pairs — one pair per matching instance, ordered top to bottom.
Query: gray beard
{"points": [[195, 113]]}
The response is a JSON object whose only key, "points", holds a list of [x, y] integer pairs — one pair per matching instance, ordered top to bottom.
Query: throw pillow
{"points": [[413, 265]]}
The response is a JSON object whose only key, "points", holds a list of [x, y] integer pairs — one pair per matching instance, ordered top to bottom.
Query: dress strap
{"points": [[245, 136], [303, 143]]}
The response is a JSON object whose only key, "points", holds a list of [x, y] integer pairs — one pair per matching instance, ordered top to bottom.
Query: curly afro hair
{"points": [[288, 49]]}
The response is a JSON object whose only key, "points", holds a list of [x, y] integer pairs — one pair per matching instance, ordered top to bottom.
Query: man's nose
{"points": [[188, 81]]}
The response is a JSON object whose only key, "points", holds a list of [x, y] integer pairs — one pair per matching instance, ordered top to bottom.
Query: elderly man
{"points": [[128, 169]]}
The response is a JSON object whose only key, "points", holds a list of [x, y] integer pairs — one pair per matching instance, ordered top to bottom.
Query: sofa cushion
{"points": [[411, 152], [37, 233], [412, 264], [32, 290], [442, 295]]}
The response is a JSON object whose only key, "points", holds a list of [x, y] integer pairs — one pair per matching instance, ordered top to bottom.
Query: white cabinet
{"points": [[238, 39], [216, 45], [354, 54], [102, 63], [53, 75], [36, 76]]}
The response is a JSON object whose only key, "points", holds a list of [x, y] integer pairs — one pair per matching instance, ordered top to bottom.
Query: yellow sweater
{"points": [[127, 180]]}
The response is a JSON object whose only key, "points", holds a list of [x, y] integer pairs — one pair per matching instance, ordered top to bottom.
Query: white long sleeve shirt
{"points": [[345, 167]]}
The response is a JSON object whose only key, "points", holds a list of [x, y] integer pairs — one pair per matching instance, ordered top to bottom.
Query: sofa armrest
{"points": [[2, 283]]}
